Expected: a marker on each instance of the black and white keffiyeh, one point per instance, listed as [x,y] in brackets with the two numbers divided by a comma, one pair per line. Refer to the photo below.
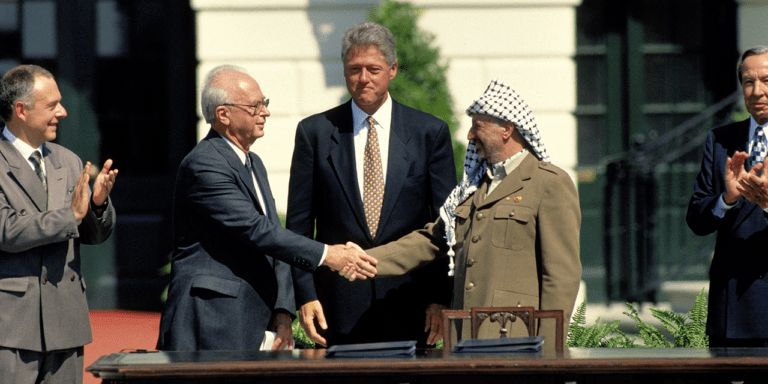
[501,101]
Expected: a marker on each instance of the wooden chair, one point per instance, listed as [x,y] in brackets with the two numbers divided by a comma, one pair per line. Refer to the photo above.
[502,315]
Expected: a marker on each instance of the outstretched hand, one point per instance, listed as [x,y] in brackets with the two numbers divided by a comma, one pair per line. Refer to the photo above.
[352,259]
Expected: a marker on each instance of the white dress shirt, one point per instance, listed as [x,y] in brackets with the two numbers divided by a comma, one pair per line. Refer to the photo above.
[383,124]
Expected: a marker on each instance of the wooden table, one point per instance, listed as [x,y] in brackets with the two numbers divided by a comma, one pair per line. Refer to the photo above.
[575,365]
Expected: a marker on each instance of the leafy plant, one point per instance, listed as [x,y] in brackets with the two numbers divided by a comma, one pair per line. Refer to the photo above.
[687,330]
[595,335]
[420,82]
[299,336]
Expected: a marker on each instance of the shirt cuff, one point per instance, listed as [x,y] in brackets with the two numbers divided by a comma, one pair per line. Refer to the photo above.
[325,252]
[721,207]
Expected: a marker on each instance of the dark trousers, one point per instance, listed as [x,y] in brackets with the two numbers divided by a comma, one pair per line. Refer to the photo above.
[722,342]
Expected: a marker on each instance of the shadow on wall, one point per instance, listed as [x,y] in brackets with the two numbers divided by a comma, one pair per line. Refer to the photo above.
[329,27]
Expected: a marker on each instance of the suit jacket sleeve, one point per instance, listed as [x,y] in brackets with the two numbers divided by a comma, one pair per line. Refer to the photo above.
[212,193]
[707,189]
[411,251]
[95,230]
[24,229]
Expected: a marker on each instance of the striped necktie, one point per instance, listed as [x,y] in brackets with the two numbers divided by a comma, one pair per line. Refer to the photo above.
[37,159]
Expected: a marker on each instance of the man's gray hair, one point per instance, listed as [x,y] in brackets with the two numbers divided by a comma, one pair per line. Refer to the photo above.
[212,95]
[758,50]
[18,84]
[370,34]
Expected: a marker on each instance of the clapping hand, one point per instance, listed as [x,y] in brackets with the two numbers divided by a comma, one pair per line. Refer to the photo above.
[734,174]
[754,185]
[103,183]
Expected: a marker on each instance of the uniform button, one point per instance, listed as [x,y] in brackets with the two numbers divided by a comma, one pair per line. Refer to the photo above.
[479,216]
[470,286]
[511,214]
[475,239]
[23,212]
[470,262]
[45,280]
[72,278]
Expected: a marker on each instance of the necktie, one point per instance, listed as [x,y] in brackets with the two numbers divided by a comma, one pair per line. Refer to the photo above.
[37,159]
[759,148]
[373,179]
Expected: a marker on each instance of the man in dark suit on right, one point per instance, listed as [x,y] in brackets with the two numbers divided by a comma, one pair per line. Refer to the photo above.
[731,197]
[370,171]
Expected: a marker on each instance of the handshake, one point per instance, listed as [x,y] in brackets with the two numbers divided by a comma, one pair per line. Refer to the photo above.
[350,261]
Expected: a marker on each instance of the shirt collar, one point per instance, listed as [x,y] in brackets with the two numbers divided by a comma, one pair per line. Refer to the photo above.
[383,116]
[507,166]
[239,152]
[23,148]
[753,127]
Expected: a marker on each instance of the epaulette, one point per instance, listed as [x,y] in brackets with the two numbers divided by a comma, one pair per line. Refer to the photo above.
[547,166]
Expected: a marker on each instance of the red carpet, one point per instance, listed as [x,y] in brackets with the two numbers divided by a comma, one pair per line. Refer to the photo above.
[114,331]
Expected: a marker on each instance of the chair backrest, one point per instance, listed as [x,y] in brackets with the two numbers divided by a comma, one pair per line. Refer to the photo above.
[502,315]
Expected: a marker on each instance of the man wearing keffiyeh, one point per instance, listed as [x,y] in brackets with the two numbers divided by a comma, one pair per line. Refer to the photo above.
[511,227]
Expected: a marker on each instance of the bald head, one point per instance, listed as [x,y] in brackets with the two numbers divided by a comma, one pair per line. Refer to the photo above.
[234,105]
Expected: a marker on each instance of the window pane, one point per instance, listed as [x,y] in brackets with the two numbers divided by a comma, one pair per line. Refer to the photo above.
[111,27]
[39,29]
[9,16]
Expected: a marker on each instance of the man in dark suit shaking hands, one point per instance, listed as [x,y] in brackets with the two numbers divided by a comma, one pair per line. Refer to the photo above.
[230,272]
[730,197]
[370,171]
[46,213]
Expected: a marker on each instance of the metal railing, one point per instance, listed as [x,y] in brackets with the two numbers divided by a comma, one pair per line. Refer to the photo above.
[646,239]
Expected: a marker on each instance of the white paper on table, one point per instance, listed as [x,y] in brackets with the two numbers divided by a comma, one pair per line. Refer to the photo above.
[269,338]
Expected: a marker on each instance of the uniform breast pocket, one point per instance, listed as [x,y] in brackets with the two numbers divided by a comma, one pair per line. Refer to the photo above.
[462,213]
[512,227]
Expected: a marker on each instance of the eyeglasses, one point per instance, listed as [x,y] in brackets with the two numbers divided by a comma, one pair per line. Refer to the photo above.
[256,107]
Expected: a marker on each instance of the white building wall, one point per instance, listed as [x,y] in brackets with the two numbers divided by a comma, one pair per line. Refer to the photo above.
[293,50]
[753,29]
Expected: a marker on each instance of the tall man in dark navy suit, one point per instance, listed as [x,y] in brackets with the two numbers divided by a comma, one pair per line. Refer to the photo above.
[333,192]
[731,197]
[230,278]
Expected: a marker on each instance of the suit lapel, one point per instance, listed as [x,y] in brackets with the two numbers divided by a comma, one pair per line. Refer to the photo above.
[266,190]
[24,175]
[397,166]
[233,160]
[57,179]
[342,159]
[512,183]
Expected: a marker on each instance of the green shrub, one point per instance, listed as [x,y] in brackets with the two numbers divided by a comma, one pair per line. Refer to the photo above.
[420,82]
